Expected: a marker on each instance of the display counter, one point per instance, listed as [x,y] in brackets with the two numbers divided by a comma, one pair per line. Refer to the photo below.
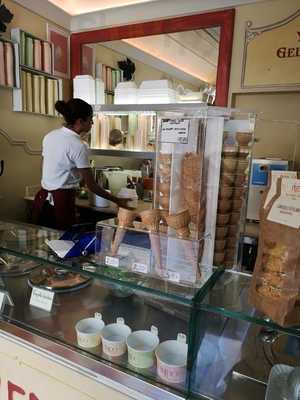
[231,347]
[147,315]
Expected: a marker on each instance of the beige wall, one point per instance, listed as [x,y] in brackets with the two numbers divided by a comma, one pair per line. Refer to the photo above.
[21,168]
[143,72]
[277,137]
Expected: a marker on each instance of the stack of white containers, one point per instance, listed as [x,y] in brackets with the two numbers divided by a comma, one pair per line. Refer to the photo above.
[84,88]
[126,93]
[149,92]
[156,92]
[87,88]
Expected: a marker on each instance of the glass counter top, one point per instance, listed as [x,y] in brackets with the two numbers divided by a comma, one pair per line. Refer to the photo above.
[230,297]
[29,241]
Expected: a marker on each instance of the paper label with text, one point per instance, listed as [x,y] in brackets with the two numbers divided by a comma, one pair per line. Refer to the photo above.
[139,267]
[2,300]
[112,261]
[286,209]
[174,131]
[173,276]
[42,299]
[275,175]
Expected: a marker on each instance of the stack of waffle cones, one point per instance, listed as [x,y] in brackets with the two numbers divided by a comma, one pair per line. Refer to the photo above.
[180,222]
[193,200]
[164,180]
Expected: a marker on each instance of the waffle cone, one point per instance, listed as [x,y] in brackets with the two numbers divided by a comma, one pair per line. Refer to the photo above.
[119,236]
[165,158]
[164,188]
[126,217]
[180,222]
[151,218]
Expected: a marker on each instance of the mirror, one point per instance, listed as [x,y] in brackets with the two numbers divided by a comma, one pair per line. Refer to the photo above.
[193,52]
[188,60]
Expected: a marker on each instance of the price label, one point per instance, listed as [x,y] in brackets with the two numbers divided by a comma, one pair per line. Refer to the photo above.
[141,268]
[2,299]
[5,298]
[174,131]
[173,276]
[42,299]
[112,261]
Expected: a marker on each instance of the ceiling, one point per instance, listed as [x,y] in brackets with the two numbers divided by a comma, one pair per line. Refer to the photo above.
[76,7]
[190,56]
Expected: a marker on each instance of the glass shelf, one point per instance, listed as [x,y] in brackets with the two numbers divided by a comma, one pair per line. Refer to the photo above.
[230,297]
[29,241]
[123,153]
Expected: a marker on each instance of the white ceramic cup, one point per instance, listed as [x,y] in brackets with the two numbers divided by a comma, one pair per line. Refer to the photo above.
[98,201]
[141,346]
[89,331]
[171,358]
[114,338]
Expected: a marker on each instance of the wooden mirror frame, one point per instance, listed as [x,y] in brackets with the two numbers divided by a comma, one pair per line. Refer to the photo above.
[223,19]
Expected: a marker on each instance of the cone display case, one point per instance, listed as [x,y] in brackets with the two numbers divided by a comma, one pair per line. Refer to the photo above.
[202,158]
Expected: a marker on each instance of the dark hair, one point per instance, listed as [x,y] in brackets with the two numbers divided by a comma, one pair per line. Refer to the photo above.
[74,109]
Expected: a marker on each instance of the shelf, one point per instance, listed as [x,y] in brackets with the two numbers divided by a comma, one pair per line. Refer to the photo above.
[35,113]
[123,153]
[147,107]
[230,297]
[29,241]
[37,71]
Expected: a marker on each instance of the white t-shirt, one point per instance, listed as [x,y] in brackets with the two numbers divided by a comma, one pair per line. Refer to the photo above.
[63,152]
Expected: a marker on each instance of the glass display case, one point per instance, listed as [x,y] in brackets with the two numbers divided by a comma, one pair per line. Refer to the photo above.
[137,311]
[194,342]
[239,349]
[200,186]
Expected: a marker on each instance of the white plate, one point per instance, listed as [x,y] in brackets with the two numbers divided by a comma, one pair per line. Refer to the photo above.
[277,382]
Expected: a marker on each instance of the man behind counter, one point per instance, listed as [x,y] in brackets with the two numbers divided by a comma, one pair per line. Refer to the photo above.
[65,163]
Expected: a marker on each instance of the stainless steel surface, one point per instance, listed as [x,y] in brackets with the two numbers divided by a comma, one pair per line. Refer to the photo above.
[243,387]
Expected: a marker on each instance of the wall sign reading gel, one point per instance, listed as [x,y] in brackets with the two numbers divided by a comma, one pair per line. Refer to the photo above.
[42,298]
[112,261]
[279,42]
[174,131]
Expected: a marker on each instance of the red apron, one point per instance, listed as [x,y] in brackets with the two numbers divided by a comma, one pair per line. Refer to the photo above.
[62,215]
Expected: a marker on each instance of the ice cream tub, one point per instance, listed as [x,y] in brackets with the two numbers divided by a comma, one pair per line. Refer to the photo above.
[89,331]
[141,346]
[114,338]
[171,358]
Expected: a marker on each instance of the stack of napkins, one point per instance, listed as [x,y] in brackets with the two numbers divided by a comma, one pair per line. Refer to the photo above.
[60,247]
